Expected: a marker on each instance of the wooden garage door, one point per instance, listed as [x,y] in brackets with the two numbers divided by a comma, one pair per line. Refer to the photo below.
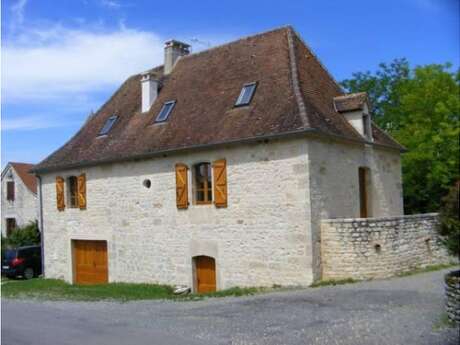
[205,274]
[90,259]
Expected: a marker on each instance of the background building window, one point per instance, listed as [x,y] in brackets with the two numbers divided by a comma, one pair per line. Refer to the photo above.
[72,184]
[10,226]
[203,183]
[10,190]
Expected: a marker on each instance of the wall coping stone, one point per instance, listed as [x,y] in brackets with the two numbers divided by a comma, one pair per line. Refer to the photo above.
[381,219]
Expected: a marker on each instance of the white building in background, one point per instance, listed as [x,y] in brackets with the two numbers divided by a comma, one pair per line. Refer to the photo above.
[19,197]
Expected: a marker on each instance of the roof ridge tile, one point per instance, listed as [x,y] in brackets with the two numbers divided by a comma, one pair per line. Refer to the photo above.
[239,40]
[295,80]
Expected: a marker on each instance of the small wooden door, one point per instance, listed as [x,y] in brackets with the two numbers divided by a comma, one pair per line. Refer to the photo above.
[90,259]
[205,267]
[363,199]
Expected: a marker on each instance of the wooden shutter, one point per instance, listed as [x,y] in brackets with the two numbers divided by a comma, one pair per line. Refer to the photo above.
[81,191]
[181,186]
[220,182]
[60,193]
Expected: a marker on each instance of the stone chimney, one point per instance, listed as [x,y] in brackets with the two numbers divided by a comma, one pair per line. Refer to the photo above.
[149,87]
[173,51]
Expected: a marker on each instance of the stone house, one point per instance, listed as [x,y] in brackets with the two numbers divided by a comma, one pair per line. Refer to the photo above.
[215,169]
[19,197]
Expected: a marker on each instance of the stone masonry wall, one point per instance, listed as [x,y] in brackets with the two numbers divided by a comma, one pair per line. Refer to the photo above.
[379,247]
[334,184]
[452,295]
[262,238]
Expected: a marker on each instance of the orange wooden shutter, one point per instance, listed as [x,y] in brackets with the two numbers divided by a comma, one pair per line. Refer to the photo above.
[81,191]
[60,193]
[220,182]
[181,186]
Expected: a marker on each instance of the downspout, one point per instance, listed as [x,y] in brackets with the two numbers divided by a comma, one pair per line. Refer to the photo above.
[42,233]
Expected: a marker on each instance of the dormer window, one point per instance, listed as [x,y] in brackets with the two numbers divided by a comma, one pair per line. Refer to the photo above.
[108,125]
[165,111]
[246,94]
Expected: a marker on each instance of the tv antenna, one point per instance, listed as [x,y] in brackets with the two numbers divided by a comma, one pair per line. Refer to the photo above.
[195,40]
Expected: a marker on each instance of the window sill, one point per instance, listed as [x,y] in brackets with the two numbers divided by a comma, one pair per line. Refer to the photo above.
[202,203]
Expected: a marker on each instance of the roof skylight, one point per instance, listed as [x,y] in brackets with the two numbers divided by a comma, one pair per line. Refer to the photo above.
[108,125]
[165,111]
[246,94]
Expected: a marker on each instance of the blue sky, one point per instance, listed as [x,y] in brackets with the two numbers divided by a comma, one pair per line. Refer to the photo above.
[62,59]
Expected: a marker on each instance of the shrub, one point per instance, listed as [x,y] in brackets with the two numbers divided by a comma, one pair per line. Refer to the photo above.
[449,226]
[4,244]
[23,236]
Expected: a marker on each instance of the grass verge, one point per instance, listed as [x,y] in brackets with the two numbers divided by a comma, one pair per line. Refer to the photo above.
[443,322]
[427,269]
[333,282]
[52,289]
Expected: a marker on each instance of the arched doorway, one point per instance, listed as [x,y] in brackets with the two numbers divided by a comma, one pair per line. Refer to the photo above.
[205,274]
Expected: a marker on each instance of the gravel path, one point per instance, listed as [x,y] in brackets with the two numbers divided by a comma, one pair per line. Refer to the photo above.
[396,311]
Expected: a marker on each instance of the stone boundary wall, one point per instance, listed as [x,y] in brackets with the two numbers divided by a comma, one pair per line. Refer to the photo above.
[452,288]
[366,248]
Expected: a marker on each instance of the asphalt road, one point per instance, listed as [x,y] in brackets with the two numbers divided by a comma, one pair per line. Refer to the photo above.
[397,311]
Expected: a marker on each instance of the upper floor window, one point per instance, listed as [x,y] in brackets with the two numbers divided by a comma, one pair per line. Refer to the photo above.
[108,125]
[72,187]
[10,190]
[203,183]
[71,191]
[165,111]
[246,94]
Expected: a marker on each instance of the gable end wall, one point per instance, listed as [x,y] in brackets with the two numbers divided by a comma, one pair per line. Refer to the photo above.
[334,185]
[25,206]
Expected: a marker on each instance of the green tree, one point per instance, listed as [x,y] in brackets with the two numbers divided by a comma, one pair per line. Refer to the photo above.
[382,88]
[421,110]
[24,236]
[449,225]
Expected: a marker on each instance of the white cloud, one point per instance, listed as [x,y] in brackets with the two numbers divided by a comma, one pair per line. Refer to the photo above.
[110,4]
[59,62]
[17,12]
[29,123]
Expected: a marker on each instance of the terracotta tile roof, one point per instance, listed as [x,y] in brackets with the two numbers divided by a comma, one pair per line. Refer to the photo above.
[349,102]
[383,138]
[22,169]
[294,94]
